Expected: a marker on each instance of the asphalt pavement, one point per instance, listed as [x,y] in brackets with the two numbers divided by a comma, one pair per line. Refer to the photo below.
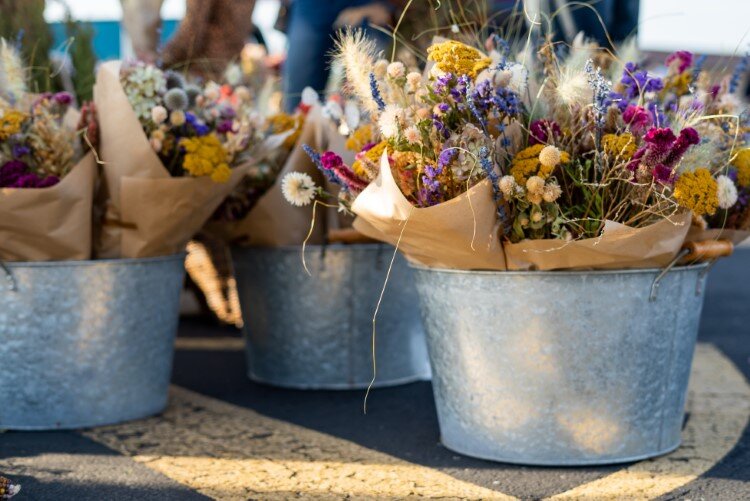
[225,437]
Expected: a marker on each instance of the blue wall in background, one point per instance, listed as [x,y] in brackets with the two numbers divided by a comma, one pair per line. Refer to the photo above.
[107,36]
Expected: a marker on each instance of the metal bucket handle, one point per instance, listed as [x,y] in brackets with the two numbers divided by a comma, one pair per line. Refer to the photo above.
[9,277]
[692,252]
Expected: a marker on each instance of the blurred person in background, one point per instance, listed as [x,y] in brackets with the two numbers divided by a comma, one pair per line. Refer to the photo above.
[311,28]
[620,19]
[142,20]
[211,35]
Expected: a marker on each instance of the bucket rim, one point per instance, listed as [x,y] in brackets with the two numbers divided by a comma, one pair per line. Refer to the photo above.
[309,247]
[95,262]
[557,273]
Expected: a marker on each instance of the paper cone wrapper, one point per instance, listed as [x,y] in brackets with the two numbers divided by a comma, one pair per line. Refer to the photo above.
[458,234]
[619,247]
[49,224]
[148,212]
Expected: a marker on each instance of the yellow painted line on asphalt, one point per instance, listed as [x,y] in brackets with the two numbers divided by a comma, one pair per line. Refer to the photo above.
[209,343]
[719,407]
[231,453]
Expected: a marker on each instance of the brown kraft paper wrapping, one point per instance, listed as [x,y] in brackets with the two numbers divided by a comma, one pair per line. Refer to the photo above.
[619,247]
[49,224]
[458,234]
[274,222]
[148,212]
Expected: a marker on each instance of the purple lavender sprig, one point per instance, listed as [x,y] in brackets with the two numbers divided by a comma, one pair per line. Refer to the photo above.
[376,96]
[601,88]
[316,159]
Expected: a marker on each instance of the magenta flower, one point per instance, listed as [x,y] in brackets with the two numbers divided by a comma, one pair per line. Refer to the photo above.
[662,173]
[688,137]
[682,59]
[11,171]
[539,131]
[330,161]
[47,182]
[637,118]
[63,98]
[29,180]
[224,127]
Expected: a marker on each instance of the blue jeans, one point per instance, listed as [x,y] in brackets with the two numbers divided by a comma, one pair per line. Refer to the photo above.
[310,36]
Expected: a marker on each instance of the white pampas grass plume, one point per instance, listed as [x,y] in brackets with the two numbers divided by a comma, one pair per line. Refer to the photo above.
[573,88]
[727,192]
[581,50]
[12,72]
[357,55]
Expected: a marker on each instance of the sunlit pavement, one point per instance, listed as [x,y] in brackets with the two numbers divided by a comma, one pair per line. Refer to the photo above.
[224,437]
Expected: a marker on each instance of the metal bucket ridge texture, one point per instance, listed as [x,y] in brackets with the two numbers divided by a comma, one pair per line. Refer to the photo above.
[561,368]
[314,332]
[87,343]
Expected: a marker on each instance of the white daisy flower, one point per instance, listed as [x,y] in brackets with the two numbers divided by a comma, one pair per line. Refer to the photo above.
[298,188]
[390,121]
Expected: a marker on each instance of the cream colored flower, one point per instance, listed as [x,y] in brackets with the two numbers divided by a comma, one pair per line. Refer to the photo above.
[534,198]
[550,156]
[396,70]
[380,69]
[727,192]
[551,192]
[177,118]
[413,81]
[413,135]
[535,185]
[159,114]
[508,186]
[298,188]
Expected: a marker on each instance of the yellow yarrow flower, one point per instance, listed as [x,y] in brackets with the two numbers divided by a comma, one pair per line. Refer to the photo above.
[742,163]
[679,84]
[284,122]
[372,155]
[10,123]
[619,145]
[697,191]
[526,164]
[457,58]
[358,139]
[221,174]
[206,156]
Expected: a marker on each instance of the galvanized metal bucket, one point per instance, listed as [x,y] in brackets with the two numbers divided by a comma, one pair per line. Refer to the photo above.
[315,331]
[86,343]
[561,368]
